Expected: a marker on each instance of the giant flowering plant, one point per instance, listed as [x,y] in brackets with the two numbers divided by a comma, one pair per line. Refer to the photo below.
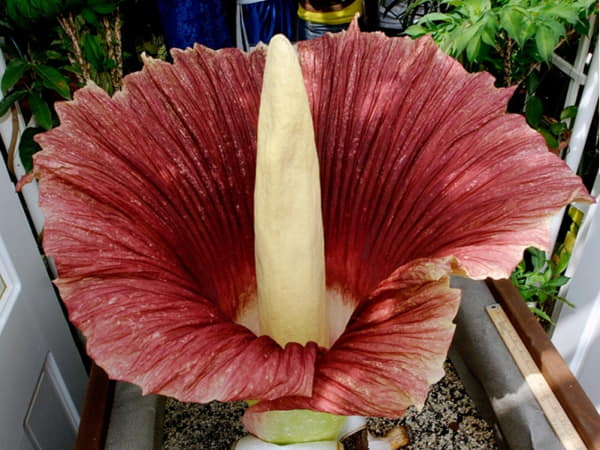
[149,200]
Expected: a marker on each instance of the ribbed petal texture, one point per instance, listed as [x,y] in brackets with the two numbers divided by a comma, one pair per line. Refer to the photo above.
[148,198]
[419,159]
[392,351]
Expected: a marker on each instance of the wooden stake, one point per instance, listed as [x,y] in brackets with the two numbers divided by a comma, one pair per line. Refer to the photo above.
[553,410]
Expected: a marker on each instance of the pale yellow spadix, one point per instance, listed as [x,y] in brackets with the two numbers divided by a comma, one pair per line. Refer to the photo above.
[288,227]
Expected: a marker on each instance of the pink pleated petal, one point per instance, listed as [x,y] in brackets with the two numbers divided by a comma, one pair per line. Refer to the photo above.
[166,339]
[418,159]
[148,202]
[148,198]
[392,351]
[166,169]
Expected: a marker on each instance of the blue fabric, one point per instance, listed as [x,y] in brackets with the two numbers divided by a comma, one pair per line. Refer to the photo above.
[186,22]
[262,20]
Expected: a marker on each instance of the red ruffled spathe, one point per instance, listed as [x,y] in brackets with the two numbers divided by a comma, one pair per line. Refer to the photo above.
[148,201]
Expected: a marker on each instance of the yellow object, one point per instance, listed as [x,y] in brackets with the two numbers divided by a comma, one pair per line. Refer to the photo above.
[576,216]
[342,16]
[288,227]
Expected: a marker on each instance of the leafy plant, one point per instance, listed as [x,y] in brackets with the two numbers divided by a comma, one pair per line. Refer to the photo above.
[539,280]
[509,38]
[556,132]
[84,45]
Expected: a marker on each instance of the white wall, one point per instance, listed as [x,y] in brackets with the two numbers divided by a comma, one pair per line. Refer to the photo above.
[577,332]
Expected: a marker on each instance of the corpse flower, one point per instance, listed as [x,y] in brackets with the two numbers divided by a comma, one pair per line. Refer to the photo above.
[150,206]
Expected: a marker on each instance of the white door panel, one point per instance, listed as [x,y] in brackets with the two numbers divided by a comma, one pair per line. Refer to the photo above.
[42,378]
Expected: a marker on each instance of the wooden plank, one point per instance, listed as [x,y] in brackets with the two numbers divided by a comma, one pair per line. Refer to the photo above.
[553,410]
[97,406]
[579,408]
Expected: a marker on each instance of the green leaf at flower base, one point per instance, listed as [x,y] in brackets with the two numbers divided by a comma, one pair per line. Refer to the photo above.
[41,111]
[13,73]
[11,98]
[28,147]
[253,443]
[53,79]
[299,425]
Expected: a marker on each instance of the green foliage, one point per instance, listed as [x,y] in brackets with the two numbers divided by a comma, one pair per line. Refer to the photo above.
[31,80]
[40,110]
[13,73]
[23,13]
[11,98]
[509,38]
[556,132]
[28,147]
[75,41]
[52,79]
[539,280]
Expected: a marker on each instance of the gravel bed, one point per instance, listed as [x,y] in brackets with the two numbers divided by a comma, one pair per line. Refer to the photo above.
[449,420]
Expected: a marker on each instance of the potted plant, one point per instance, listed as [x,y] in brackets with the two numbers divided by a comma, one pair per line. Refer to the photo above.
[276,227]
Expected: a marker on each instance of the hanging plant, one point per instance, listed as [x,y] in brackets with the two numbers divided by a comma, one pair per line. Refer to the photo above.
[159,229]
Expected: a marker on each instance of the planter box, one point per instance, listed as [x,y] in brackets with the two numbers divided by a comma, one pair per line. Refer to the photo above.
[117,417]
